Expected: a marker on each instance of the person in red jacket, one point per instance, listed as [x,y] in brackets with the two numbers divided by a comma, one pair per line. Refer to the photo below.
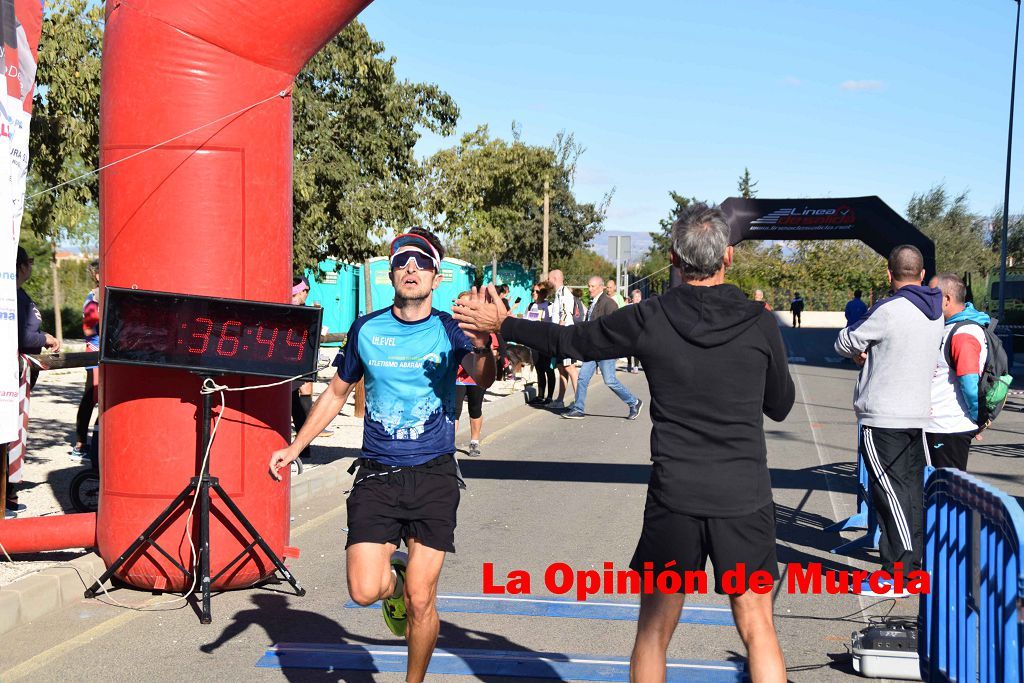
[91,330]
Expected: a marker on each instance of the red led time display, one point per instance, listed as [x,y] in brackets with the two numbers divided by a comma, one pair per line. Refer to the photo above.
[206,334]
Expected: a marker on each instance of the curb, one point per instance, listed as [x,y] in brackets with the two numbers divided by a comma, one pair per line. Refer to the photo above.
[53,589]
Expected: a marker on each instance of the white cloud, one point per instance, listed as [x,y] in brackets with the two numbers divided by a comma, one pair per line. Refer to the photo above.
[861,85]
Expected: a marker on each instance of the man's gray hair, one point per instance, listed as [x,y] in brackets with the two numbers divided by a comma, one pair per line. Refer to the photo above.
[699,238]
[953,286]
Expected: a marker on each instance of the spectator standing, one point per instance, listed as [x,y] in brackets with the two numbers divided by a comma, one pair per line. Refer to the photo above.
[796,307]
[759,297]
[563,314]
[539,311]
[302,392]
[855,308]
[612,290]
[708,495]
[601,304]
[91,330]
[953,423]
[467,388]
[31,340]
[632,362]
[897,342]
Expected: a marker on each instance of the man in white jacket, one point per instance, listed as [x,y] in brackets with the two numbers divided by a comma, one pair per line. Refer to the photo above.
[897,342]
[562,314]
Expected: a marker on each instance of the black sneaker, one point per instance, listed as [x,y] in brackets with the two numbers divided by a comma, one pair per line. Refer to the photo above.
[634,410]
[574,415]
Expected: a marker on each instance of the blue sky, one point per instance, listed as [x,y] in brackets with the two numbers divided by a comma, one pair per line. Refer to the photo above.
[817,98]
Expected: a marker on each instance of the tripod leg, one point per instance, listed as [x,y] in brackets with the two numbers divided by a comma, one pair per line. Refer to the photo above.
[144,538]
[299,590]
[204,540]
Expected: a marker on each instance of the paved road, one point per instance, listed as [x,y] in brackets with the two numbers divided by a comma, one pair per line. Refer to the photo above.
[546,490]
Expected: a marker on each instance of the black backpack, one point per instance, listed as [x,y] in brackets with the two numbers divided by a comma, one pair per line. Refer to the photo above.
[994,382]
[578,311]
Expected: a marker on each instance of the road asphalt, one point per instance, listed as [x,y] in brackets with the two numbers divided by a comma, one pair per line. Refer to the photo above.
[546,490]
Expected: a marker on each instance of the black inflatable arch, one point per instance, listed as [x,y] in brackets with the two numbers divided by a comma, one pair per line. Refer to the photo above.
[867,219]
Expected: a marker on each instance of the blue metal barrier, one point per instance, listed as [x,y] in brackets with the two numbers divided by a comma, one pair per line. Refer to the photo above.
[970,623]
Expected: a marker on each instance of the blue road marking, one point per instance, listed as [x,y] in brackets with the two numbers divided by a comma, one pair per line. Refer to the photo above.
[567,608]
[470,662]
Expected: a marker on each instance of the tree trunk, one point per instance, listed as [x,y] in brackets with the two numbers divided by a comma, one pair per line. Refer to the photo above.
[58,332]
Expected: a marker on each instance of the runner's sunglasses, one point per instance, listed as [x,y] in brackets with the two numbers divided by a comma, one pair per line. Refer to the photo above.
[401,260]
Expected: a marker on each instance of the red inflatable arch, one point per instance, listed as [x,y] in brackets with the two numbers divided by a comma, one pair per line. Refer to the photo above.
[209,213]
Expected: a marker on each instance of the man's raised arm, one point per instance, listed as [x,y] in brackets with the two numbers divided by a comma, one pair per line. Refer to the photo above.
[613,336]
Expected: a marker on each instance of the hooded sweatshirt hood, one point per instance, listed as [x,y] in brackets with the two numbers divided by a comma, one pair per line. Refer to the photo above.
[970,313]
[927,299]
[710,316]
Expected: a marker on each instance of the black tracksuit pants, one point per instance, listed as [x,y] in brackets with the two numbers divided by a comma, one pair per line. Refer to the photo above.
[895,462]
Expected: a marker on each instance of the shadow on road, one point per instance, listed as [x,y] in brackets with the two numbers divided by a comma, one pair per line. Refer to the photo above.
[283,624]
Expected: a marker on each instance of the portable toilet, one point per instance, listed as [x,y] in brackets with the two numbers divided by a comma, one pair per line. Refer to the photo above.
[519,280]
[456,277]
[335,287]
[382,293]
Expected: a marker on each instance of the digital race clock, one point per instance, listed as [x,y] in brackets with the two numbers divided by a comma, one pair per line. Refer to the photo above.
[208,334]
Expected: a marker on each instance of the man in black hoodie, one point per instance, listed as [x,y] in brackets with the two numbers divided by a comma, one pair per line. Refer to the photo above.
[716,364]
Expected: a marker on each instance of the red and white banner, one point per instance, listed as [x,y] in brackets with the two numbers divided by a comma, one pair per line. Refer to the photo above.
[20,26]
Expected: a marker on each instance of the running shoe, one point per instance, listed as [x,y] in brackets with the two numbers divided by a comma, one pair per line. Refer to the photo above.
[78,453]
[16,507]
[556,405]
[634,410]
[535,401]
[9,514]
[394,607]
[574,415]
[474,449]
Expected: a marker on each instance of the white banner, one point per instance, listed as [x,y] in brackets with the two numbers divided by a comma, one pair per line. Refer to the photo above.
[20,25]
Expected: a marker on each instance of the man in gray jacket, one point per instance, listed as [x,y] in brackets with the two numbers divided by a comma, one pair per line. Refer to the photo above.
[897,342]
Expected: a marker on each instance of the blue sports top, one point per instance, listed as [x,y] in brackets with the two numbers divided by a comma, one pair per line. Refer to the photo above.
[410,383]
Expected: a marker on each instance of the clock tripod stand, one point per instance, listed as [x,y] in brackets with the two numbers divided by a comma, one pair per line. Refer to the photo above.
[200,486]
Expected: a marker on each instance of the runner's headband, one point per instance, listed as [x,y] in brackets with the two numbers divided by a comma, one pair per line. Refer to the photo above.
[420,243]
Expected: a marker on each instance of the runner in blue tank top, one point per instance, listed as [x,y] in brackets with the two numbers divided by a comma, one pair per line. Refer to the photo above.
[407,484]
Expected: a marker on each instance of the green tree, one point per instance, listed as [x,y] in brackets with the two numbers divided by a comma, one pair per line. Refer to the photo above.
[960,236]
[654,267]
[759,266]
[1015,243]
[485,196]
[64,140]
[581,265]
[828,271]
[746,185]
[355,128]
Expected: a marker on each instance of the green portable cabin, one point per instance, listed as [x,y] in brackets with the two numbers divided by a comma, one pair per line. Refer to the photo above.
[456,277]
[337,288]
[519,280]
